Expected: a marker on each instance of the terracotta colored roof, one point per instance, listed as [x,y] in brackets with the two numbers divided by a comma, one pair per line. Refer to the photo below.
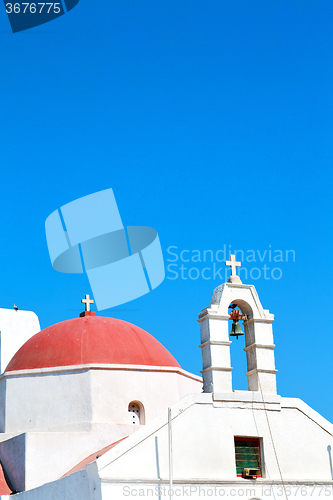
[91,340]
[81,465]
[4,488]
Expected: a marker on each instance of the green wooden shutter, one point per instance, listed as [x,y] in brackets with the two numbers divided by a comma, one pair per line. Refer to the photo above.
[247,454]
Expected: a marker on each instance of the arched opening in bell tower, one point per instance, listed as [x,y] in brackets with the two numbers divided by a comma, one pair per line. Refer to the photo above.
[240,312]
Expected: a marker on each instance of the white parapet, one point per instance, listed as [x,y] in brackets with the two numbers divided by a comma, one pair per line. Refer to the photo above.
[16,327]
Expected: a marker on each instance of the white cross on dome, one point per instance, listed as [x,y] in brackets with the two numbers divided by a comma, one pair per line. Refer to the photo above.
[87,301]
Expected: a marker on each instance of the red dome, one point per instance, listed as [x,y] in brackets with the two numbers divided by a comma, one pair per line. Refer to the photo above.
[91,340]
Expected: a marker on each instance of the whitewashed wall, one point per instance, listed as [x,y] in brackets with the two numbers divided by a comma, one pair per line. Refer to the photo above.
[113,390]
[16,327]
[69,399]
[63,417]
[82,485]
[203,441]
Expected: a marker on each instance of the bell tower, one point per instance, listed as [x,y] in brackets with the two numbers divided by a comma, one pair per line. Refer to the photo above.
[215,342]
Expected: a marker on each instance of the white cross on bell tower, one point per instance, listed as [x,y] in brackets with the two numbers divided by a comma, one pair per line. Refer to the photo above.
[233,278]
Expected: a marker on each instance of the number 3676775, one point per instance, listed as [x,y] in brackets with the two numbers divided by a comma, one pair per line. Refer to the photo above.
[33,8]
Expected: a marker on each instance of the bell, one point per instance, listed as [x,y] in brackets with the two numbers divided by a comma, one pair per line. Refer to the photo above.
[236,330]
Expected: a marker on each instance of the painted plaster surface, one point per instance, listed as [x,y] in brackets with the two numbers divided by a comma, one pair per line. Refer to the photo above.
[74,398]
[203,447]
[54,420]
[203,442]
[82,485]
[16,327]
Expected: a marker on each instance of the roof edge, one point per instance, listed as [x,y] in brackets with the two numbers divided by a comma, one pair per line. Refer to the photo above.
[100,366]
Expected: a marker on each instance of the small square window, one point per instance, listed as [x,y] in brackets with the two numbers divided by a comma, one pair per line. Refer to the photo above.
[247,452]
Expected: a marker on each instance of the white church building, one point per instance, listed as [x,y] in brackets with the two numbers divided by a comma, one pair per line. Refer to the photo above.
[95,408]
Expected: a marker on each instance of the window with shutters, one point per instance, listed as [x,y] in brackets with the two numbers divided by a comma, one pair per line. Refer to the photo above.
[247,451]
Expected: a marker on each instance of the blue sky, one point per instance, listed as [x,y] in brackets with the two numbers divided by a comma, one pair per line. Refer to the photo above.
[212,121]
